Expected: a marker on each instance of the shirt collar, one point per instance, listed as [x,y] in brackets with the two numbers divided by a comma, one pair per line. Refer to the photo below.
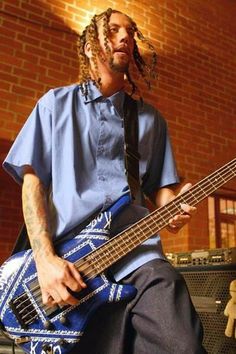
[117,99]
[93,93]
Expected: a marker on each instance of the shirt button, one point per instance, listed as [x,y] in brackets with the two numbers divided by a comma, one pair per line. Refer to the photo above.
[108,200]
[100,149]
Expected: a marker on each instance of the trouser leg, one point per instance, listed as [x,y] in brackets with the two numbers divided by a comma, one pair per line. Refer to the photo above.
[160,320]
[162,317]
[104,332]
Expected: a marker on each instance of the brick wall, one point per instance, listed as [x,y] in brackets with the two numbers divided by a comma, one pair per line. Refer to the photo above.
[195,90]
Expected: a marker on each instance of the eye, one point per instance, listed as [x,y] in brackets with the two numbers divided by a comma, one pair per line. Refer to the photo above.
[131,31]
[113,29]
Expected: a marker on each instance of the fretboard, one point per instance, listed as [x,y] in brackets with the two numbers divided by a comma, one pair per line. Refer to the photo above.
[123,243]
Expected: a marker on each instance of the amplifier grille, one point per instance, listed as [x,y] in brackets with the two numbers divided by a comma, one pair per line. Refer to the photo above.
[209,290]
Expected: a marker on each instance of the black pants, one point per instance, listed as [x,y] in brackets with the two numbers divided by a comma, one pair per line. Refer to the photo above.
[159,320]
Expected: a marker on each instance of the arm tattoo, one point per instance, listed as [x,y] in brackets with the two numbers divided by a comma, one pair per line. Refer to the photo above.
[36,215]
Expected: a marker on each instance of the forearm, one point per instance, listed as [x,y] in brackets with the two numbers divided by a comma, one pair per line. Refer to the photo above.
[55,274]
[36,215]
[163,196]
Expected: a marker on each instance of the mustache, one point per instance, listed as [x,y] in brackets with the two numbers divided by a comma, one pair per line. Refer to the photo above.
[122,48]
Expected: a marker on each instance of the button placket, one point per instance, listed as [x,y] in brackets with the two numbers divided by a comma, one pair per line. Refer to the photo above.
[100,148]
[110,164]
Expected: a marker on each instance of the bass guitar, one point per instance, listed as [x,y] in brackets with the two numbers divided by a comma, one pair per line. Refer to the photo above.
[41,330]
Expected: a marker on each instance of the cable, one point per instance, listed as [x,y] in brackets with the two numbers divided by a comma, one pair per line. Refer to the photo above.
[13,348]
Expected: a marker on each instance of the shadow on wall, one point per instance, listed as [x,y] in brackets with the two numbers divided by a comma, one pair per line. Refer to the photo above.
[38,52]
[10,207]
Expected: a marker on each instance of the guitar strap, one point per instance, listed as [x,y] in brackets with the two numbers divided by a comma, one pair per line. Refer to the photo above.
[132,156]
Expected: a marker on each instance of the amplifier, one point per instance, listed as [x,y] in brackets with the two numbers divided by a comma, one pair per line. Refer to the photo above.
[209,290]
[203,257]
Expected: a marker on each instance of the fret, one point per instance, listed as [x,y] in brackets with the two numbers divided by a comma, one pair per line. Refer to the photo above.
[127,240]
[193,196]
[203,191]
[136,237]
[168,211]
[159,213]
[213,185]
[130,240]
[177,206]
[146,226]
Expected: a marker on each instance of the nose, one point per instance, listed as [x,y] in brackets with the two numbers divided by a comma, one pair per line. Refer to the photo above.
[124,36]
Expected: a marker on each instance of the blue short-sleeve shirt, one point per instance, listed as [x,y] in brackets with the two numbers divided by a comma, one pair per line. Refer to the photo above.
[75,144]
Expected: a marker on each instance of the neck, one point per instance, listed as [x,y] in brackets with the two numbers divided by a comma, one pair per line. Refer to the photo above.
[111,81]
[110,85]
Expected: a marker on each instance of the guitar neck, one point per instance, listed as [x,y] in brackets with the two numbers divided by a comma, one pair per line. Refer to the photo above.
[126,241]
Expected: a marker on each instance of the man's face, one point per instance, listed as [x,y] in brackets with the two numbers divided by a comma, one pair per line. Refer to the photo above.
[120,41]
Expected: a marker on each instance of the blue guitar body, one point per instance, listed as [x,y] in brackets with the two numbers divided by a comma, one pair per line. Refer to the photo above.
[40,330]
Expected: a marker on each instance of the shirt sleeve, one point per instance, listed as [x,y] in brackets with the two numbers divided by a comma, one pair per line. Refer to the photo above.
[33,145]
[161,170]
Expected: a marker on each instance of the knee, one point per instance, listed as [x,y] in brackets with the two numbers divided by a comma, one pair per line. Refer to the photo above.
[169,275]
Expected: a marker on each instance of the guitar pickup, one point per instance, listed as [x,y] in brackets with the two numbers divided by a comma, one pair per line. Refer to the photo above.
[23,309]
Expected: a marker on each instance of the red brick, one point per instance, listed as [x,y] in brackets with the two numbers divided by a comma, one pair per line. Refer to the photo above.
[22,90]
[12,25]
[195,90]
[29,40]
[8,59]
[31,8]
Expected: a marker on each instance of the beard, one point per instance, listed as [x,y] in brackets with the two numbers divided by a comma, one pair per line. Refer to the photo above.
[119,65]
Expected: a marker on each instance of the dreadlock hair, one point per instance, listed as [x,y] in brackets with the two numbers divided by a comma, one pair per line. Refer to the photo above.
[90,33]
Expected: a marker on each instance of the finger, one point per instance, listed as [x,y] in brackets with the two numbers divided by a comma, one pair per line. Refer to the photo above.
[53,303]
[176,223]
[172,228]
[185,188]
[78,283]
[56,296]
[46,298]
[188,209]
[67,298]
[180,220]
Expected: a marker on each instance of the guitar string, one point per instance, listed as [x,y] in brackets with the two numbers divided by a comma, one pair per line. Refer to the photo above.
[199,187]
[182,199]
[147,227]
[124,238]
[124,252]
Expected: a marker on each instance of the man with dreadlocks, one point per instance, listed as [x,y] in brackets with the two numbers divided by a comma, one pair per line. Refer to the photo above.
[70,158]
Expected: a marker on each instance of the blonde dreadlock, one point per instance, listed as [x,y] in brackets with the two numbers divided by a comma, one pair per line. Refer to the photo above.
[90,33]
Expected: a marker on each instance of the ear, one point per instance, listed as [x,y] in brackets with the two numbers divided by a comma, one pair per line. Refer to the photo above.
[88,50]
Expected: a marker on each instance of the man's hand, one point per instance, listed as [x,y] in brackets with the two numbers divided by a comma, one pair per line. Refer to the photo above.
[178,221]
[56,278]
